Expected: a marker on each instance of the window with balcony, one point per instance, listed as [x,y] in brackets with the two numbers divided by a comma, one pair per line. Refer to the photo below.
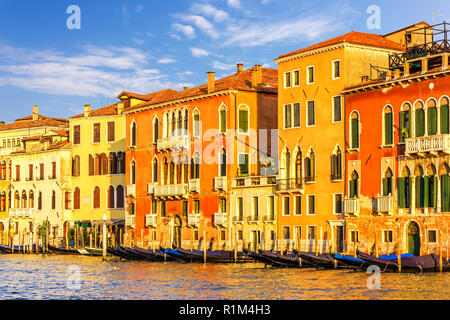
[154,207]
[405,122]
[223,163]
[3,201]
[430,187]
[96,198]
[388,126]
[223,205]
[195,167]
[354,185]
[197,206]
[311,113]
[420,119]
[155,170]
[243,164]
[444,114]
[163,209]
[354,130]
[388,183]
[298,167]
[432,117]
[132,209]
[155,130]
[404,184]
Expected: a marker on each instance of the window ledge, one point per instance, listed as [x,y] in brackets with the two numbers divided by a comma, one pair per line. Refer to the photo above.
[353,150]
[384,146]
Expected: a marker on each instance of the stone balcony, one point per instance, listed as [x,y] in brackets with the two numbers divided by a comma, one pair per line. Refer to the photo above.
[351,206]
[21,213]
[268,219]
[130,220]
[131,190]
[254,181]
[289,185]
[193,220]
[385,204]
[151,187]
[220,219]
[220,183]
[194,185]
[175,142]
[171,190]
[238,219]
[422,146]
[150,220]
[252,219]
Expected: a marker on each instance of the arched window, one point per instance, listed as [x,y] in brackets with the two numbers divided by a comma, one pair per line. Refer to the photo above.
[430,189]
[104,165]
[222,119]
[133,172]
[298,168]
[179,123]
[444,116]
[419,119]
[387,182]
[76,199]
[111,194]
[53,200]
[432,117]
[388,126]
[195,167]
[155,170]
[98,165]
[67,204]
[165,125]
[133,134]
[120,162]
[243,119]
[405,122]
[286,161]
[31,200]
[16,200]
[420,187]
[354,130]
[196,116]
[172,172]
[354,185]
[173,125]
[96,196]
[112,163]
[165,176]
[24,199]
[186,122]
[404,184]
[186,170]
[3,169]
[445,188]
[76,166]
[91,165]
[120,197]
[336,164]
[40,201]
[3,202]
[155,130]
[223,163]
[310,166]
[179,171]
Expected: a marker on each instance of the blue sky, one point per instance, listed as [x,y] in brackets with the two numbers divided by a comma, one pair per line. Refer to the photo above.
[148,45]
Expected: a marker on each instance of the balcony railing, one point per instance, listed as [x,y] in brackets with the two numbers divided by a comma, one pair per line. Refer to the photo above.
[131,190]
[252,219]
[254,181]
[220,218]
[289,185]
[130,220]
[151,188]
[238,219]
[194,185]
[193,219]
[269,219]
[438,143]
[174,143]
[351,206]
[150,220]
[171,190]
[21,213]
[220,183]
[385,204]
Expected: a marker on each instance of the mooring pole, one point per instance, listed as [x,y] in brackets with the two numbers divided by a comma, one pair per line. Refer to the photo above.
[104,237]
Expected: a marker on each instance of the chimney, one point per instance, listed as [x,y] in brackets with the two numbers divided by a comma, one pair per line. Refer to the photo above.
[240,67]
[120,108]
[185,88]
[256,76]
[87,110]
[35,113]
[211,81]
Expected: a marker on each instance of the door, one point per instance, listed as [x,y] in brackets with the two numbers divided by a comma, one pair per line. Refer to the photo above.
[254,241]
[414,239]
[339,239]
[177,232]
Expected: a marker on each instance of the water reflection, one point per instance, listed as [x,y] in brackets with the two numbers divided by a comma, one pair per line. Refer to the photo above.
[36,277]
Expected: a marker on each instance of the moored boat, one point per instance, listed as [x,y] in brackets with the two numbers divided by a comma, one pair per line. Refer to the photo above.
[284,260]
[322,260]
[63,251]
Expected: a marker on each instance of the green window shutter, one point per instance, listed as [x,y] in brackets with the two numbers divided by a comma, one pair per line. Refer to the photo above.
[420,123]
[243,121]
[445,193]
[432,121]
[401,192]
[355,135]
[426,191]
[223,121]
[402,126]
[388,128]
[444,119]
[307,168]
[435,187]
[385,186]
[408,182]
[418,192]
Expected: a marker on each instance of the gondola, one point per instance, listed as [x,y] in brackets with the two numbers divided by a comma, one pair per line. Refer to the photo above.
[323,260]
[427,263]
[175,255]
[4,249]
[260,258]
[355,263]
[118,252]
[62,251]
[219,256]
[156,255]
[289,260]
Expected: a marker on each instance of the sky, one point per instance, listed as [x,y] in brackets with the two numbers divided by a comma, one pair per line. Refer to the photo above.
[148,45]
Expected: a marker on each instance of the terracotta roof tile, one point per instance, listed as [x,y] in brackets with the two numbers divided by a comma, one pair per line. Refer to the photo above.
[28,123]
[105,111]
[367,39]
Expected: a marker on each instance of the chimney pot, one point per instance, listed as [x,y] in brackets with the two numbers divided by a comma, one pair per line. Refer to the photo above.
[120,108]
[35,113]
[240,67]
[185,88]
[87,110]
[211,81]
[256,76]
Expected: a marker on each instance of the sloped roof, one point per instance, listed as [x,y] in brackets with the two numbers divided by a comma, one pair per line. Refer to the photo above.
[105,111]
[27,122]
[361,38]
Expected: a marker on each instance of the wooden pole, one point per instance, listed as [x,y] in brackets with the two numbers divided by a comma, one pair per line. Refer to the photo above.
[321,241]
[235,244]
[95,236]
[440,251]
[204,246]
[46,238]
[75,238]
[90,239]
[67,236]
[82,237]
[121,237]
[104,241]
[142,238]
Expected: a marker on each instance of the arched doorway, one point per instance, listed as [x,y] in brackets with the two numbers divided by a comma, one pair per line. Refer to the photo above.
[414,238]
[177,232]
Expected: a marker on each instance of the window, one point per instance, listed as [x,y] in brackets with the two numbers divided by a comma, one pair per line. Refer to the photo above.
[354,236]
[432,117]
[133,134]
[287,79]
[111,131]
[223,205]
[405,122]
[296,78]
[120,195]
[30,172]
[444,116]
[67,204]
[243,164]
[337,203]
[240,207]
[185,208]
[298,169]
[76,135]
[155,170]
[336,164]
[271,208]
[195,167]
[311,233]
[186,122]
[91,165]
[53,176]
[336,69]
[154,207]
[40,201]
[296,115]
[133,172]
[111,194]
[354,185]
[163,209]
[420,119]
[387,183]
[286,233]
[243,120]
[310,75]
[430,188]
[255,208]
[286,209]
[96,196]
[17,173]
[76,199]
[337,109]
[388,126]
[432,236]
[311,114]
[298,205]
[196,124]
[404,184]
[76,166]
[354,130]
[132,209]
[310,167]
[197,206]
[388,236]
[311,204]
[96,133]
[222,119]
[53,200]
[223,164]
[287,116]
[155,130]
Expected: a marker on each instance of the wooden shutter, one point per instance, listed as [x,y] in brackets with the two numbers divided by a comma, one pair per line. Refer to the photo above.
[355,135]
[17,173]
[53,170]
[287,116]
[96,132]
[243,121]
[388,128]
[401,191]
[444,193]
[111,131]
[223,121]
[432,121]
[76,135]
[41,171]
[311,113]
[435,191]
[120,197]
[426,191]
[76,199]
[444,119]
[420,123]
[91,165]
[402,126]
[296,114]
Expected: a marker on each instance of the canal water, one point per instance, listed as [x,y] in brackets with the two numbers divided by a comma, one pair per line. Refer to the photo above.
[81,277]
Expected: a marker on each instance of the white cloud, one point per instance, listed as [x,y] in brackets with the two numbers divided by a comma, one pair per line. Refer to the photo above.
[139,8]
[197,52]
[187,30]
[95,72]
[208,10]
[166,60]
[222,66]
[234,3]
[200,22]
